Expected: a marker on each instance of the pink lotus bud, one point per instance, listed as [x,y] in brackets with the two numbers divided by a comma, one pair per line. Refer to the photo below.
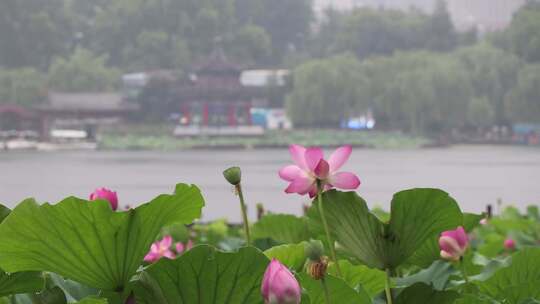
[279,285]
[107,195]
[453,244]
[509,244]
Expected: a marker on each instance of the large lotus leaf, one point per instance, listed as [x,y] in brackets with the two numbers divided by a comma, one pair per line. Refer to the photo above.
[18,282]
[291,255]
[339,291]
[74,291]
[475,299]
[437,275]
[204,275]
[519,281]
[87,241]
[283,228]
[417,216]
[371,280]
[4,212]
[429,251]
[422,293]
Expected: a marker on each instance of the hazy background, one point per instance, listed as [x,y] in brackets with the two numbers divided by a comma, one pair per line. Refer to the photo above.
[145,94]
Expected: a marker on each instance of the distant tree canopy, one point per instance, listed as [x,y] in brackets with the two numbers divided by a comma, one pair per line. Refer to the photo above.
[326,91]
[82,72]
[523,35]
[413,70]
[524,100]
[23,87]
[419,91]
[369,31]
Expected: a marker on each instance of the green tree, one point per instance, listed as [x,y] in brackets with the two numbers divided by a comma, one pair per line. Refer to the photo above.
[493,74]
[82,72]
[524,32]
[326,91]
[287,22]
[524,101]
[480,112]
[441,32]
[25,86]
[32,32]
[251,44]
[421,92]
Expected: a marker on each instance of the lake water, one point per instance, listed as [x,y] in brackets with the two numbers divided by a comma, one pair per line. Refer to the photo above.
[473,175]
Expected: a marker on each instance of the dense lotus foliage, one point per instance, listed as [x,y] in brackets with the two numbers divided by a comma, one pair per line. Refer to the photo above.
[424,250]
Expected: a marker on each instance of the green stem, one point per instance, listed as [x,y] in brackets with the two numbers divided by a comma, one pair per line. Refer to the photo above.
[326,230]
[244,213]
[326,292]
[463,271]
[387,288]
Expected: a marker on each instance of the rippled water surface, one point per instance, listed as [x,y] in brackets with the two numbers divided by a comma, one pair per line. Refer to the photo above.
[474,175]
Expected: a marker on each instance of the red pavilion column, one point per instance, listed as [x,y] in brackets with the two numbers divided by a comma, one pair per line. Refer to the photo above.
[231,115]
[205,114]
[248,113]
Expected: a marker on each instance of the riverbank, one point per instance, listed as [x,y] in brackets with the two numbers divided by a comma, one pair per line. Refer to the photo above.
[158,138]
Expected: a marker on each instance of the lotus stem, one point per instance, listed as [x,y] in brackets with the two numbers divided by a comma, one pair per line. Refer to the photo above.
[326,292]
[387,288]
[326,229]
[463,270]
[244,213]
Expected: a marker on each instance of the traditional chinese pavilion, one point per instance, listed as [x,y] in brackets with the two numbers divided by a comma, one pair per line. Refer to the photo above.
[82,111]
[215,96]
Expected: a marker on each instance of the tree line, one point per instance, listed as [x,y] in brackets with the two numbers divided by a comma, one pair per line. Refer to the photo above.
[416,73]
[413,70]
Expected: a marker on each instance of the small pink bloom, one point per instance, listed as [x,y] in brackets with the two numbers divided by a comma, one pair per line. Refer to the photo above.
[180,248]
[279,285]
[160,249]
[509,244]
[106,195]
[453,244]
[310,166]
[484,221]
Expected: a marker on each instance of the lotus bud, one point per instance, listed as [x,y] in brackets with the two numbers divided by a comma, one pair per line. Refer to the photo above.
[279,285]
[317,269]
[453,244]
[509,244]
[314,250]
[233,175]
[106,195]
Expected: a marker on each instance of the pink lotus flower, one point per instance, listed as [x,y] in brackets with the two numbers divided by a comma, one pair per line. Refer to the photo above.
[311,166]
[279,285]
[180,248]
[160,249]
[509,244]
[106,195]
[484,221]
[453,244]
